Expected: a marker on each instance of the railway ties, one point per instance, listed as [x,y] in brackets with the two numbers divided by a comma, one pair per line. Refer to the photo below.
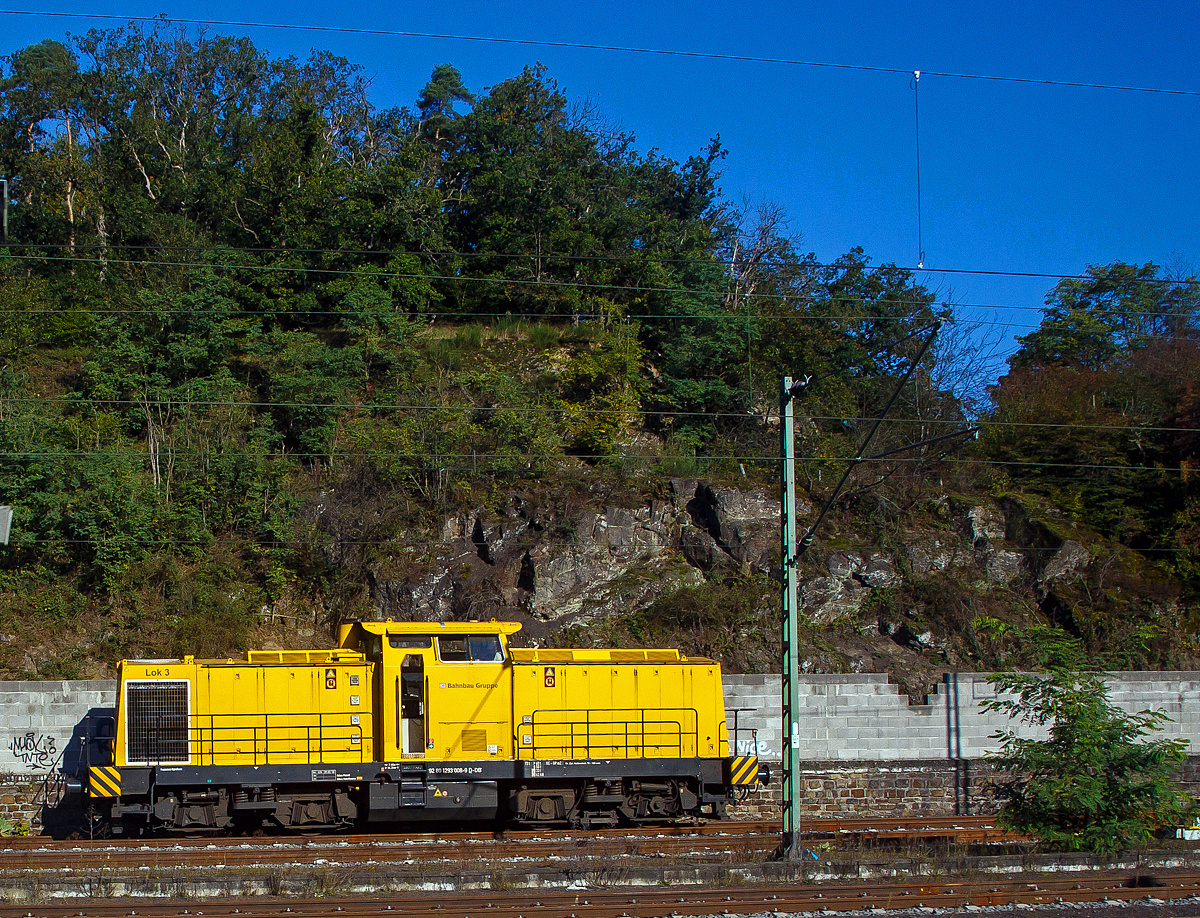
[398,859]
[751,840]
[642,902]
[958,828]
[527,873]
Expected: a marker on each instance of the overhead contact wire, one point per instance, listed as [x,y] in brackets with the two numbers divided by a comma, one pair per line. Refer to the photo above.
[634,259]
[593,46]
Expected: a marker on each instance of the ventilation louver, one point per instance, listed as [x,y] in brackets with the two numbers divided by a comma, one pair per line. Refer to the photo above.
[156,722]
[474,741]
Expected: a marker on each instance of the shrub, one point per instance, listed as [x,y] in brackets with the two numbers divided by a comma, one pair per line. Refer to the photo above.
[1097,782]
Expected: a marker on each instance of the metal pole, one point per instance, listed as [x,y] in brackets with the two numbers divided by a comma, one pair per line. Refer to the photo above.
[4,182]
[792,792]
[790,554]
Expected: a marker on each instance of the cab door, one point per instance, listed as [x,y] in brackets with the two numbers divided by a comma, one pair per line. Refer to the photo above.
[403,686]
[412,706]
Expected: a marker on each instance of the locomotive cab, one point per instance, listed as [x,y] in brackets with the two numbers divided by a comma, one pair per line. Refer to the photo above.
[444,691]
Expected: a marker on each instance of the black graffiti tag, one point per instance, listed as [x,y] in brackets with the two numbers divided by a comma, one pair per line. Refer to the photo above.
[33,750]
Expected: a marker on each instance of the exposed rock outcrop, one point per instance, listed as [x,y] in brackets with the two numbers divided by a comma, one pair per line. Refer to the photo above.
[566,567]
[1070,560]
[556,563]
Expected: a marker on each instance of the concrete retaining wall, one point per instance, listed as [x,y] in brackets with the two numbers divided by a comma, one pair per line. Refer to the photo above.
[842,717]
[40,723]
[864,718]
[864,748]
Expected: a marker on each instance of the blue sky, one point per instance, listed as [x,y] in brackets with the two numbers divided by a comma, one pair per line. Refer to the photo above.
[1015,177]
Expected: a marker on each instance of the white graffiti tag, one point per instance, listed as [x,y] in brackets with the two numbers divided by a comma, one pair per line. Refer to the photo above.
[759,748]
[33,750]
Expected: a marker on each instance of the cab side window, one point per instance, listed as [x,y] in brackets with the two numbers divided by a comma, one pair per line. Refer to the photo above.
[486,647]
[479,648]
[409,641]
[453,650]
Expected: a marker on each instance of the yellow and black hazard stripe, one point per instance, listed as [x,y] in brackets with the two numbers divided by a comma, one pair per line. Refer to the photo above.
[104,781]
[743,769]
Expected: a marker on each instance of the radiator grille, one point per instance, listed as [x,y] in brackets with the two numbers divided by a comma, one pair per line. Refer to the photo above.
[474,741]
[156,721]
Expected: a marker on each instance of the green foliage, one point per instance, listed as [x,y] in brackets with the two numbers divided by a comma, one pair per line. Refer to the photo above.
[543,337]
[30,316]
[515,433]
[225,337]
[9,829]
[678,456]
[437,99]
[600,391]
[1098,782]
[214,607]
[1186,524]
[36,596]
[309,386]
[1099,411]
[1112,310]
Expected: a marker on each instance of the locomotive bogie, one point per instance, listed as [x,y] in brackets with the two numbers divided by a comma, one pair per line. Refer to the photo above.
[592,804]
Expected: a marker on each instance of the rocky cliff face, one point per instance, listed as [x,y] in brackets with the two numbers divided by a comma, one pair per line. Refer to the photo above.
[551,563]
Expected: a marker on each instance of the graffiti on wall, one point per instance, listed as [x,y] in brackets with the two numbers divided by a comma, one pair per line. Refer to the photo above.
[34,750]
[757,747]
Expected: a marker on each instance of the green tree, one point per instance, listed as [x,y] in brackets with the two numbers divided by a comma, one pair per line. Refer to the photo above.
[1113,309]
[853,329]
[1098,782]
[436,101]
[1099,411]
[521,187]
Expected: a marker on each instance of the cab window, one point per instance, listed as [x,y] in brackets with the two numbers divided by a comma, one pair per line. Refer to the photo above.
[409,641]
[453,650]
[479,648]
[485,647]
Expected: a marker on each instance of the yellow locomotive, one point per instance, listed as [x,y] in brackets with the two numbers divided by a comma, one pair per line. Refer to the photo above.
[416,722]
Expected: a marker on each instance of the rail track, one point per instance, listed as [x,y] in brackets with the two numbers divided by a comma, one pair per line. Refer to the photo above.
[715,869]
[956,828]
[961,829]
[750,840]
[649,903]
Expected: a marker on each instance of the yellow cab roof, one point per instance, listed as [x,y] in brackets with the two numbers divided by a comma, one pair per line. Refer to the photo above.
[391,627]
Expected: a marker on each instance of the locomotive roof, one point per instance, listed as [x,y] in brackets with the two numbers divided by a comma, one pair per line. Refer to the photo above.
[391,627]
[323,655]
[597,655]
